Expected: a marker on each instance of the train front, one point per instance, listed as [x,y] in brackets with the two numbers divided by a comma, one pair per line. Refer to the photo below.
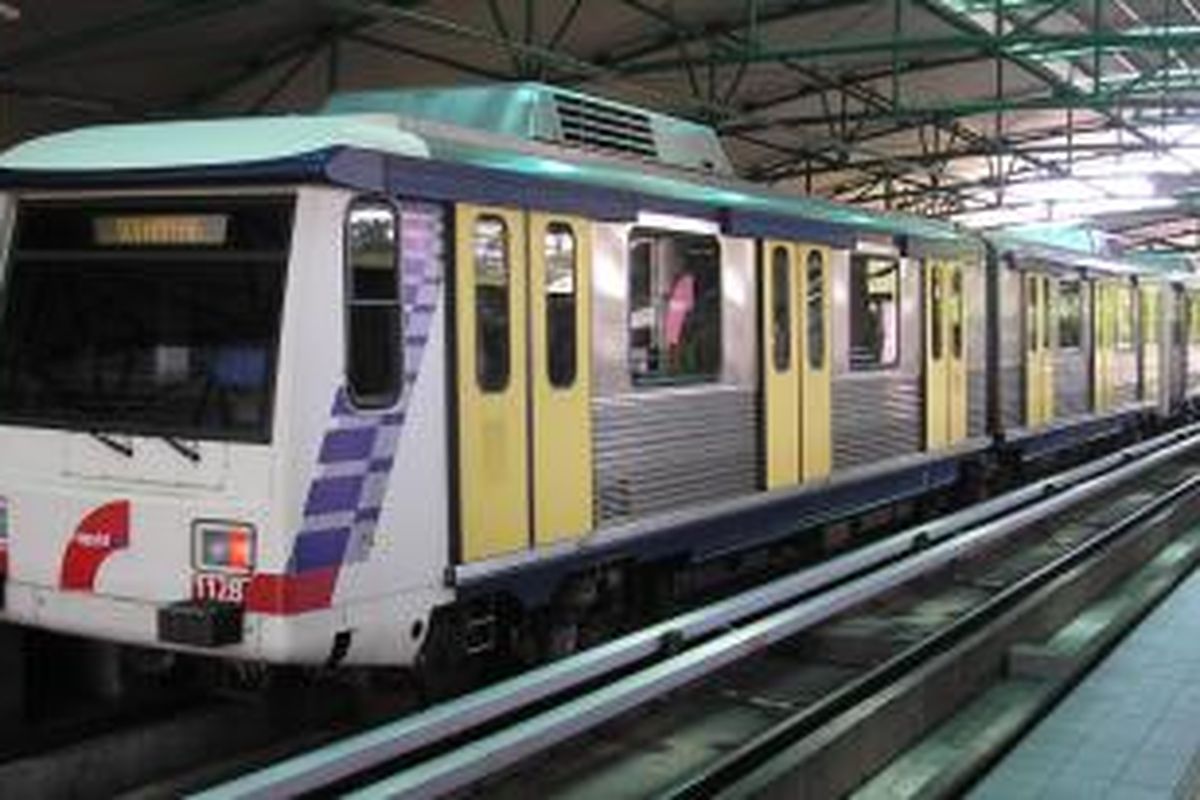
[171,381]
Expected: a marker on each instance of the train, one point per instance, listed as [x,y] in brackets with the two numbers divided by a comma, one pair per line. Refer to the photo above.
[432,371]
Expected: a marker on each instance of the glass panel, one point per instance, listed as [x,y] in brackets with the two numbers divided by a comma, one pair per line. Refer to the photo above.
[937,312]
[874,312]
[157,339]
[816,309]
[492,344]
[561,322]
[373,352]
[781,312]
[957,311]
[675,306]
[1070,313]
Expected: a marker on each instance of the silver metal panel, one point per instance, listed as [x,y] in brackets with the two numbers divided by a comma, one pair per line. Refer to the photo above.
[662,449]
[1193,368]
[875,417]
[1072,383]
[1125,383]
[876,414]
[975,286]
[1011,391]
[976,402]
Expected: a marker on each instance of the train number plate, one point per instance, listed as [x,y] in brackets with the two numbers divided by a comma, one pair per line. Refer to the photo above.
[219,587]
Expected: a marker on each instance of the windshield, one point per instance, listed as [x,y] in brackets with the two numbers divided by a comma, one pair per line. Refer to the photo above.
[154,316]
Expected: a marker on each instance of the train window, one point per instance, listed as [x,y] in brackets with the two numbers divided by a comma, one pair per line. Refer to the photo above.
[1070,314]
[561,322]
[1032,286]
[674,306]
[816,309]
[1125,328]
[957,303]
[937,312]
[874,312]
[156,315]
[492,345]
[373,317]
[781,308]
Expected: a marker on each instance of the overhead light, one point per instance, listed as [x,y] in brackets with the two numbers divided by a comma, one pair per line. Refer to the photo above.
[9,12]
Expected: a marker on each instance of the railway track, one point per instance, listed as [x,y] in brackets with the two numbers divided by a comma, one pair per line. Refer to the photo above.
[769,688]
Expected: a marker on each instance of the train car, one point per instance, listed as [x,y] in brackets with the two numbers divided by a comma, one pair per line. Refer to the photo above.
[434,371]
[1081,346]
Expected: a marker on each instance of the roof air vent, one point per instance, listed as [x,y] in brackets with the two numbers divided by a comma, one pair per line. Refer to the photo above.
[587,122]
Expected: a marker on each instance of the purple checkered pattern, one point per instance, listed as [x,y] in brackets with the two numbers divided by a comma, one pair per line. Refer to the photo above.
[346,495]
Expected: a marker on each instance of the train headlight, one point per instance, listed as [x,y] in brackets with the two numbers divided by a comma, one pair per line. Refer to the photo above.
[223,546]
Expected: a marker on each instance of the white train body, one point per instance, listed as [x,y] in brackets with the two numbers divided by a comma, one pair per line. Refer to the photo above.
[99,540]
[198,456]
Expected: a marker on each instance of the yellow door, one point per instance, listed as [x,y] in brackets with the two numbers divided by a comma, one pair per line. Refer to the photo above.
[1038,365]
[956,366]
[492,385]
[937,380]
[560,370]
[813,355]
[781,379]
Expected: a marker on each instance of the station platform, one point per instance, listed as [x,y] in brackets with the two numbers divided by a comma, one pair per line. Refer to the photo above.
[1130,730]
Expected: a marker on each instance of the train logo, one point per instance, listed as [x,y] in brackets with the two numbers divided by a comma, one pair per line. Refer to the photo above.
[102,532]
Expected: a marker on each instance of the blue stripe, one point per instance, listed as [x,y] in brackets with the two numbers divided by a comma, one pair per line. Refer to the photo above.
[319,549]
[326,495]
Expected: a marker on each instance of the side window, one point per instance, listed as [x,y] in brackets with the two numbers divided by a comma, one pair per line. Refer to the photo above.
[374,356]
[874,312]
[492,345]
[1070,314]
[674,306]
[781,308]
[816,309]
[561,320]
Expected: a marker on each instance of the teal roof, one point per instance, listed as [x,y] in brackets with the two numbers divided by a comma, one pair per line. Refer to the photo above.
[207,142]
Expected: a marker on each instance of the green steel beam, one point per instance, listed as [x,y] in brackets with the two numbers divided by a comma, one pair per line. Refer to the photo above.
[1150,96]
[1024,44]
[691,33]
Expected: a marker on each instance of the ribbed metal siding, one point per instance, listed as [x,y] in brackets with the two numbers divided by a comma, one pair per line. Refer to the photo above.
[1125,386]
[657,450]
[1072,384]
[875,417]
[976,402]
[975,285]
[1193,368]
[1012,368]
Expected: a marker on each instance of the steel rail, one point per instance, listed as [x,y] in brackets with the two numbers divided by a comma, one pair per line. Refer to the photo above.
[739,765]
[480,758]
[847,575]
